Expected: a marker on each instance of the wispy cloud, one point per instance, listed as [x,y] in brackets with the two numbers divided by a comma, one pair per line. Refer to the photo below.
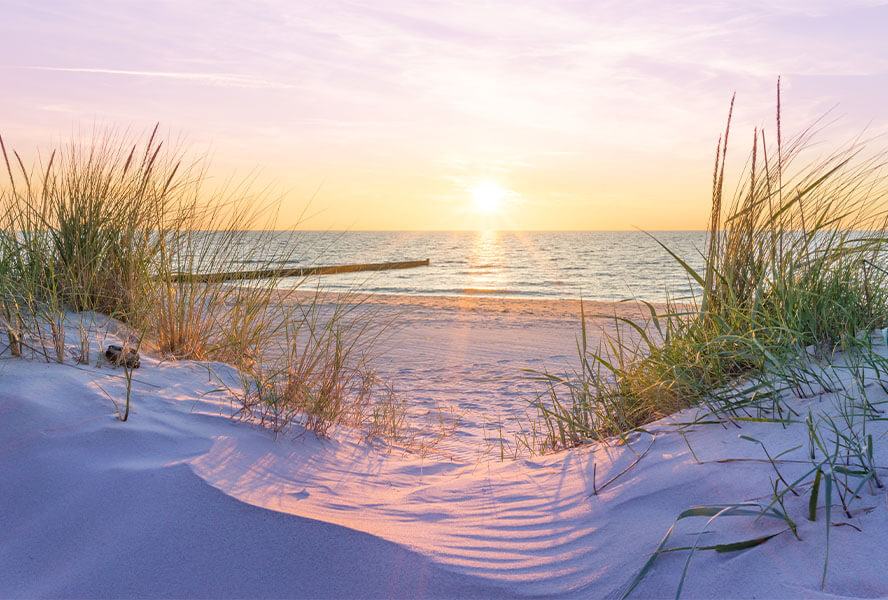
[224,79]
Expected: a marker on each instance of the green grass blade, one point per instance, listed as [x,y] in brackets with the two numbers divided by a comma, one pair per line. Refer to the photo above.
[828,494]
[743,545]
[812,502]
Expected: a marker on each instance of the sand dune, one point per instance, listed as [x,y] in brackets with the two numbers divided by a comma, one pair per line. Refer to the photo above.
[181,501]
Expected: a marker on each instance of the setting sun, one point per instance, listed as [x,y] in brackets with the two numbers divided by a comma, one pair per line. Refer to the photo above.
[488,197]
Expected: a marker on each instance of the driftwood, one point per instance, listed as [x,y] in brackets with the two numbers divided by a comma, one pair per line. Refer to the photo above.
[297,272]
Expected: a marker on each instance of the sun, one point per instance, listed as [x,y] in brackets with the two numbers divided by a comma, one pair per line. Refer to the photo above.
[488,197]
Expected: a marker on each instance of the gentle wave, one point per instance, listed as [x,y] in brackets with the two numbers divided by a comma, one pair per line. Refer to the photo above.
[592,265]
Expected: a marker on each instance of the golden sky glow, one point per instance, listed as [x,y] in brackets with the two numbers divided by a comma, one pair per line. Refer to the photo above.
[394,114]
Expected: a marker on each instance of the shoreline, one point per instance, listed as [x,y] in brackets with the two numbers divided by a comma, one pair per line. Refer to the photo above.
[472,363]
[559,308]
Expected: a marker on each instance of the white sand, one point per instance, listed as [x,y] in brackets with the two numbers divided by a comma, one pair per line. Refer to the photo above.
[183,502]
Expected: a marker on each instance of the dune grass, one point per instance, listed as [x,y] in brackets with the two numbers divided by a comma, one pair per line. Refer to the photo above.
[791,268]
[792,301]
[839,464]
[321,375]
[85,221]
[108,223]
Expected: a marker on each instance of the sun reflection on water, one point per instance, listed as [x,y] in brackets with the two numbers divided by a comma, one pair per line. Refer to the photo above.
[486,263]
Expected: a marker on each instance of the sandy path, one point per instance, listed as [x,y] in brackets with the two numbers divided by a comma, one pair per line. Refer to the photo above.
[461,360]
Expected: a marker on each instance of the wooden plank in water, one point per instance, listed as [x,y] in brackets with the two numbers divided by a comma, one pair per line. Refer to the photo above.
[297,272]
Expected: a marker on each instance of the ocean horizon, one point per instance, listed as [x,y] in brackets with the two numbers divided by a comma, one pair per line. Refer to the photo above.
[592,265]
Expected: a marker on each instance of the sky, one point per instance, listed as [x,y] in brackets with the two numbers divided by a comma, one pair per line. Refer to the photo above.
[392,115]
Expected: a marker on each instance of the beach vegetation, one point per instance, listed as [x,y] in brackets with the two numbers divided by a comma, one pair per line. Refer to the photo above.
[114,225]
[322,376]
[793,270]
[839,465]
[792,303]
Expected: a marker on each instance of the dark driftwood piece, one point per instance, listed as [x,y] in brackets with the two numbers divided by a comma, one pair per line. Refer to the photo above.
[298,272]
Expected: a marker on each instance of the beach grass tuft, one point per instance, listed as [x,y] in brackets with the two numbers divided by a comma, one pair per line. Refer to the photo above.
[792,301]
[791,270]
[322,376]
[114,224]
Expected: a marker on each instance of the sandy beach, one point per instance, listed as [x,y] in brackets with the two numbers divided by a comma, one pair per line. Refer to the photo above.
[465,358]
[290,300]
[182,501]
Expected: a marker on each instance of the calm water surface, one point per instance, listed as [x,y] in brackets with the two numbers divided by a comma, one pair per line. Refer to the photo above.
[596,265]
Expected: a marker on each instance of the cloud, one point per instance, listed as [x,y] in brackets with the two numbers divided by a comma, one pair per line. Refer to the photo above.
[225,79]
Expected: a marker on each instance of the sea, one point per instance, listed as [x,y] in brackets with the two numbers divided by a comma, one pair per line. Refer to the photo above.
[592,265]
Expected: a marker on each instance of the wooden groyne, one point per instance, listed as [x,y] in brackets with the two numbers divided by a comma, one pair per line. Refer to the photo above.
[296,272]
